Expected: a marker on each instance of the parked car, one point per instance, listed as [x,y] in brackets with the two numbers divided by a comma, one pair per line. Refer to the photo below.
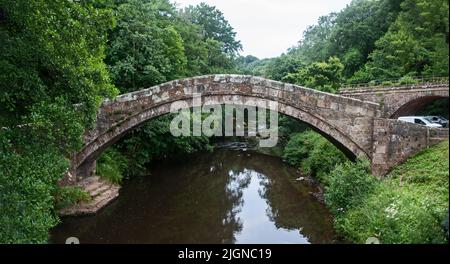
[439,120]
[421,120]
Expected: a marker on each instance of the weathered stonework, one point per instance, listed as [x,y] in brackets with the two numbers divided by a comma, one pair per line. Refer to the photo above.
[101,192]
[394,142]
[401,100]
[357,126]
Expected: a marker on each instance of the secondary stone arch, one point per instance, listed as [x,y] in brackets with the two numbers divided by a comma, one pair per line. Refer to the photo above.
[409,106]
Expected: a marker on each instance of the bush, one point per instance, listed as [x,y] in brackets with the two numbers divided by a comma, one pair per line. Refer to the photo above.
[67,196]
[154,141]
[314,154]
[349,184]
[288,127]
[27,182]
[295,150]
[395,215]
[111,166]
[408,206]
[407,80]
[445,224]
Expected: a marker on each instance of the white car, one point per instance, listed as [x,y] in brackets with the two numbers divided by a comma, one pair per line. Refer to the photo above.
[421,120]
[439,120]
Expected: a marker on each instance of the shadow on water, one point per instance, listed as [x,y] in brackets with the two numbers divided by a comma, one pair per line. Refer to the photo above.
[221,197]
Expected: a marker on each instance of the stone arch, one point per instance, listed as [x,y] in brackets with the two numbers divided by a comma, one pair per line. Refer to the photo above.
[94,149]
[393,99]
[344,121]
[409,106]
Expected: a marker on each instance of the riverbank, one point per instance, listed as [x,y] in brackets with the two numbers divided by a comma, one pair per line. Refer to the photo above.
[408,206]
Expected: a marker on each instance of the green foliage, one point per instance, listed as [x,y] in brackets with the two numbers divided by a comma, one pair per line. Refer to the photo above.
[67,196]
[445,225]
[409,206]
[349,35]
[53,80]
[352,61]
[349,184]
[288,127]
[439,107]
[295,150]
[387,83]
[279,67]
[407,80]
[374,40]
[314,45]
[154,141]
[51,50]
[314,154]
[204,55]
[215,26]
[145,49]
[357,28]
[153,43]
[53,123]
[324,76]
[112,165]
[28,175]
[416,43]
[407,216]
[251,65]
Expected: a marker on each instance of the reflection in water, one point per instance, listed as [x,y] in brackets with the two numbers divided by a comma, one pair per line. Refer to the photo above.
[223,197]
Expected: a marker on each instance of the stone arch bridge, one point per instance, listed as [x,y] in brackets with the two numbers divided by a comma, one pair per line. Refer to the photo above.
[355,121]
[399,101]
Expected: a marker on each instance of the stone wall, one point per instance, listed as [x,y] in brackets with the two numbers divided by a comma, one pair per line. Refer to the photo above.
[395,141]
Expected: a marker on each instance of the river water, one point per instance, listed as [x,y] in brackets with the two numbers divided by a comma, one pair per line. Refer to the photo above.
[226,196]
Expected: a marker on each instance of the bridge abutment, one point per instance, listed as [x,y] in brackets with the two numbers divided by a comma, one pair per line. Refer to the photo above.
[395,141]
[87,169]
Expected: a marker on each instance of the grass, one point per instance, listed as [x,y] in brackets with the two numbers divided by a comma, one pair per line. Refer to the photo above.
[67,196]
[111,166]
[409,206]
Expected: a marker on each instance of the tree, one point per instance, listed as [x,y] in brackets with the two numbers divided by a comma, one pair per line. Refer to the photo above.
[357,28]
[416,44]
[53,80]
[349,35]
[215,26]
[279,67]
[324,76]
[52,50]
[145,48]
[315,43]
[153,43]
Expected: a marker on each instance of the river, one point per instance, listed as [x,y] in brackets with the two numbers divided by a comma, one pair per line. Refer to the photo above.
[226,196]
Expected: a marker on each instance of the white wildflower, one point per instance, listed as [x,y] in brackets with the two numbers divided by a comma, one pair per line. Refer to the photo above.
[391,210]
